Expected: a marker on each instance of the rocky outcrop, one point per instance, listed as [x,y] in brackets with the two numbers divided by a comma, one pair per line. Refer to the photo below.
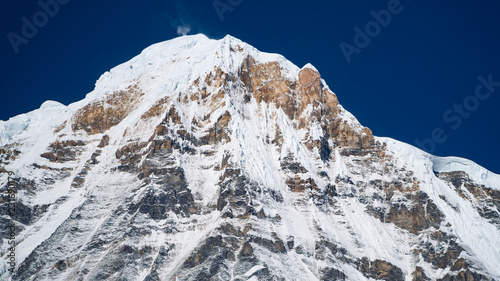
[63,151]
[485,199]
[414,215]
[167,193]
[8,153]
[381,270]
[98,116]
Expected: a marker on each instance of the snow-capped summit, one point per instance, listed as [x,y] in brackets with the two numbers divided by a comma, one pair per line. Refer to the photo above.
[203,159]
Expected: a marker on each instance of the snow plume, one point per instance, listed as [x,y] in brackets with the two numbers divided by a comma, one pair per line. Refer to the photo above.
[183,29]
[180,17]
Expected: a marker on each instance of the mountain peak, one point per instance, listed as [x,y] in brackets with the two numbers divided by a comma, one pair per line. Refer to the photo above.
[207,159]
[310,66]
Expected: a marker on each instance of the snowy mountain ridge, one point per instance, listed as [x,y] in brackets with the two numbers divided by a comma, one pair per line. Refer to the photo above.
[210,160]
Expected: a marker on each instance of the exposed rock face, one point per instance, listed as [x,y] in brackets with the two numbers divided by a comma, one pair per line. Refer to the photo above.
[63,151]
[8,154]
[486,200]
[99,116]
[268,85]
[208,160]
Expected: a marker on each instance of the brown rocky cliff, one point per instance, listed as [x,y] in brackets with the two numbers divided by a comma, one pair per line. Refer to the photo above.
[266,83]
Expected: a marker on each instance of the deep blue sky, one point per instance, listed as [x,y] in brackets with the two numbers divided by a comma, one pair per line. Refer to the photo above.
[423,62]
